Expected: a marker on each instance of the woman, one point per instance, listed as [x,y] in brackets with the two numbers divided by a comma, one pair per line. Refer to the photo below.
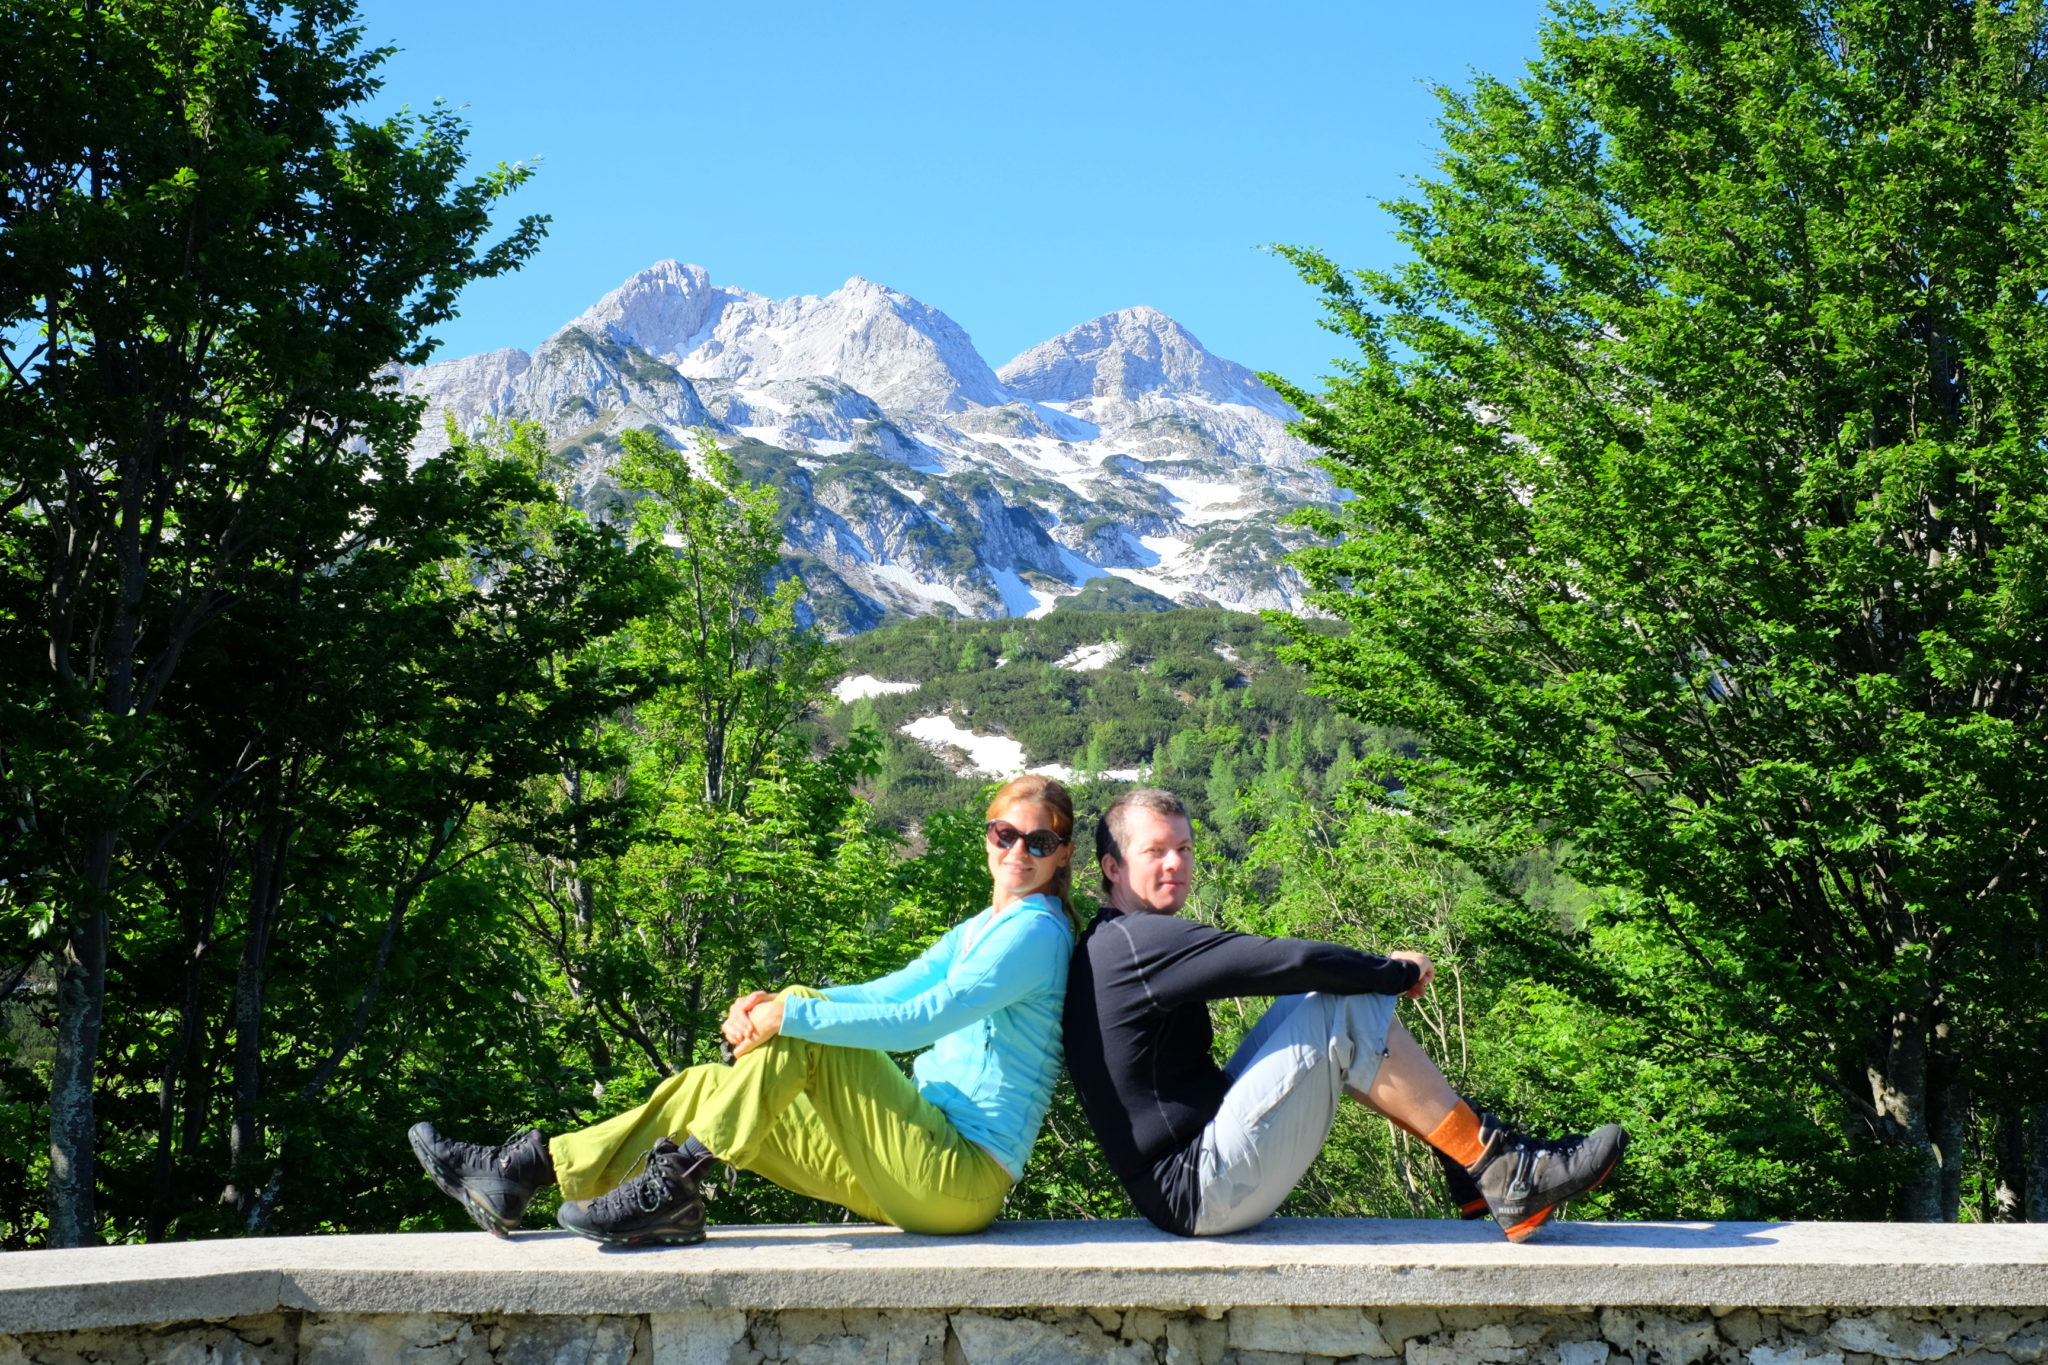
[812,1100]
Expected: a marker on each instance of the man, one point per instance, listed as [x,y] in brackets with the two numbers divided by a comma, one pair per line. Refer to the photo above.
[1204,1149]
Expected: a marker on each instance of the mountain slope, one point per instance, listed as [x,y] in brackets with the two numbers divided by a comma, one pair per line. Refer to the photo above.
[915,479]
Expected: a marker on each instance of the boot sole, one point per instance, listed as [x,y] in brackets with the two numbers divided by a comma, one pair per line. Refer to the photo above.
[645,1240]
[479,1213]
[1528,1227]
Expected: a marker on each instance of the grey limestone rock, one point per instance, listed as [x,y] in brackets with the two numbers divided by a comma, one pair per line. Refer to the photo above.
[1329,1332]
[986,1339]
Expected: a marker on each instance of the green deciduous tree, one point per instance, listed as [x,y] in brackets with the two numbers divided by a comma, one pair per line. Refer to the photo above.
[1700,520]
[733,855]
[209,266]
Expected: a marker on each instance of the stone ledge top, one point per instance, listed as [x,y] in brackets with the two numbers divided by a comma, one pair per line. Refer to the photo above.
[1283,1262]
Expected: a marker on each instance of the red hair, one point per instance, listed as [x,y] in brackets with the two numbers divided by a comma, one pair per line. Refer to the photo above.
[1046,792]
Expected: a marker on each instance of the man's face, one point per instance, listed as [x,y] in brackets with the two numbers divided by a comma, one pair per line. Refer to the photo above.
[1158,866]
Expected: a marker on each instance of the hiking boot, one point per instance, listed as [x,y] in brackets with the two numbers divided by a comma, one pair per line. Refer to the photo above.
[1460,1188]
[1524,1180]
[494,1183]
[662,1204]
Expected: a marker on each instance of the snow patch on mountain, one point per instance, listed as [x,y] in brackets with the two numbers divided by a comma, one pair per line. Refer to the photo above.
[990,755]
[994,755]
[1088,658]
[868,685]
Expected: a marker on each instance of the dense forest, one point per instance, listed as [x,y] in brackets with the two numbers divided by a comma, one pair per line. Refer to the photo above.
[1195,699]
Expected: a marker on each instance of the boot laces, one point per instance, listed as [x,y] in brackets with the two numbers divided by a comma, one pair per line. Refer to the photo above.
[504,1157]
[1524,1178]
[645,1188]
[1530,1157]
[472,1156]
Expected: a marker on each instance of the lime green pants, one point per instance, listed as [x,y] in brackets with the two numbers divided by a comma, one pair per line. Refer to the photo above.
[836,1123]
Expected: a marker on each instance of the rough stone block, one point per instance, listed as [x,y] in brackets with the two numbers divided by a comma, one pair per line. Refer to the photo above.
[1790,1353]
[850,1336]
[2027,1348]
[1144,1324]
[1654,1339]
[1893,1336]
[1399,1324]
[1491,1344]
[1328,1332]
[1196,1340]
[534,1340]
[988,1340]
[267,1340]
[1465,1317]
[390,1339]
[1582,1353]
[697,1338]
[1742,1328]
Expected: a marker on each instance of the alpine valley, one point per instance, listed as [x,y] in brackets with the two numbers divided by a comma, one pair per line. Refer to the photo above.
[913,478]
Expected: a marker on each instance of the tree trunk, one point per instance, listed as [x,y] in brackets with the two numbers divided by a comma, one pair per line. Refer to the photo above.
[2036,1151]
[1897,1076]
[2008,1196]
[266,887]
[200,936]
[1948,1107]
[582,893]
[81,1006]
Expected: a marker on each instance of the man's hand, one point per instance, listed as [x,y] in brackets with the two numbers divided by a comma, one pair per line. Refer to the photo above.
[1421,960]
[737,1028]
[764,1021]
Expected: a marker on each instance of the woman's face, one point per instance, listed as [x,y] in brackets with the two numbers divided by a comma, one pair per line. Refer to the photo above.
[1013,870]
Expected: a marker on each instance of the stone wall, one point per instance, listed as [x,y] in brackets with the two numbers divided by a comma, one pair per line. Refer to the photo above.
[1100,1336]
[1290,1292]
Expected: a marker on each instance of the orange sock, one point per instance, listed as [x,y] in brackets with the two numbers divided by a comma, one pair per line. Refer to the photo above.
[1457,1137]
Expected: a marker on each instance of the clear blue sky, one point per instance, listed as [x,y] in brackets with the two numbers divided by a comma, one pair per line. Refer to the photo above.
[1022,167]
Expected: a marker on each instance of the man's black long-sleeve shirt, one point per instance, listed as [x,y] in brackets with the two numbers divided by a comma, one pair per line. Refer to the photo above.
[1139,1043]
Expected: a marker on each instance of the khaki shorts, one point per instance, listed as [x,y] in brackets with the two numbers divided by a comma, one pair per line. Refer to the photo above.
[1287,1078]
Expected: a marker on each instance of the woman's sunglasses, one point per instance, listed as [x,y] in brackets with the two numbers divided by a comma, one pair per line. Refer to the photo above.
[1039,843]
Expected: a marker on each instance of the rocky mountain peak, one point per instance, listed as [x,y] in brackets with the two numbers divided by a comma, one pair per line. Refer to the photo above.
[911,477]
[1128,354]
[663,309]
[897,351]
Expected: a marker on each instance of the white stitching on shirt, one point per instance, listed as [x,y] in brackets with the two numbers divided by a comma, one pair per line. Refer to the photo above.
[1158,1101]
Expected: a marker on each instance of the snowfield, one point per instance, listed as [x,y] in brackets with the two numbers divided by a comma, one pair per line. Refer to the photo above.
[1090,657]
[868,685]
[1202,501]
[996,755]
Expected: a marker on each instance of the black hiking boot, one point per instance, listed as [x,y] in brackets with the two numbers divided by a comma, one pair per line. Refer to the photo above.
[1524,1180]
[662,1204]
[1461,1188]
[494,1183]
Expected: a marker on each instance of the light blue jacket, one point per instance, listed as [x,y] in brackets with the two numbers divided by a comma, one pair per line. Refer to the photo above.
[987,997]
